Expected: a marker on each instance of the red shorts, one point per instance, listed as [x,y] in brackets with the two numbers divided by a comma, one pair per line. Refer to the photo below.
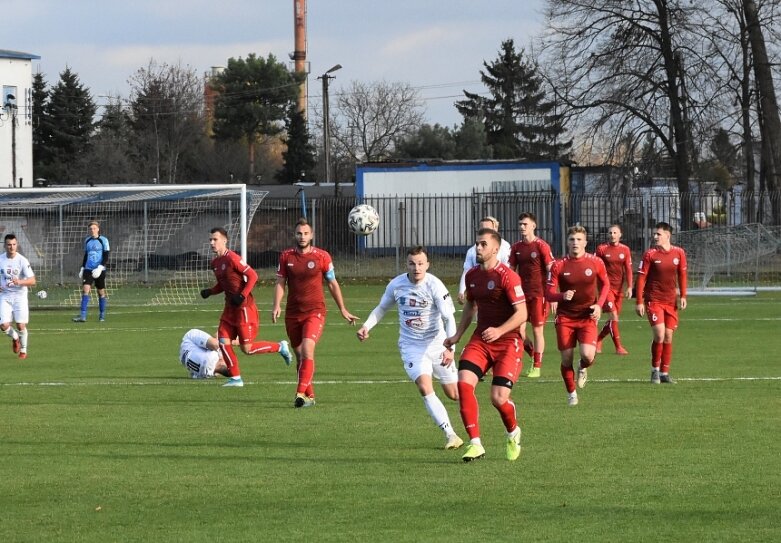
[659,313]
[246,332]
[538,310]
[570,332]
[614,302]
[503,355]
[304,326]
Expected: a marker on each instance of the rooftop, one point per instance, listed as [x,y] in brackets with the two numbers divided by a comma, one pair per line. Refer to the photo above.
[20,55]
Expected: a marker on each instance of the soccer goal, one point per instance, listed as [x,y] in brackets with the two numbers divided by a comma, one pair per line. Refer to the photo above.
[159,236]
[728,256]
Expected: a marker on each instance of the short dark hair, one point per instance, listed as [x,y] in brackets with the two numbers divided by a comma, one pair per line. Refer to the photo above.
[219,230]
[417,250]
[616,225]
[528,215]
[664,226]
[490,231]
[9,236]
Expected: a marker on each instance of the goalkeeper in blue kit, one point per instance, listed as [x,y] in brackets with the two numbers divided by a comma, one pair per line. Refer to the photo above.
[93,270]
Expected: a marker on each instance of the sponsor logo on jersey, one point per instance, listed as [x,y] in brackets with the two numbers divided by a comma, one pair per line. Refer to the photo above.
[675,261]
[533,254]
[621,256]
[589,273]
[491,285]
[518,291]
[415,322]
[408,313]
[446,296]
[310,265]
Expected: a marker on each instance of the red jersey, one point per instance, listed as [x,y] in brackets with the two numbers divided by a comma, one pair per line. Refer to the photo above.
[304,275]
[530,259]
[618,262]
[657,275]
[234,276]
[495,292]
[581,275]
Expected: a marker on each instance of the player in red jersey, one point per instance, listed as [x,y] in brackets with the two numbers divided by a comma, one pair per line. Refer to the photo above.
[302,269]
[239,318]
[531,258]
[661,267]
[579,283]
[494,291]
[618,262]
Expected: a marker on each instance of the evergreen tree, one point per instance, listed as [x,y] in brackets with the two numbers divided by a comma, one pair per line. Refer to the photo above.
[69,112]
[41,127]
[472,140]
[519,121]
[299,156]
[252,101]
[427,142]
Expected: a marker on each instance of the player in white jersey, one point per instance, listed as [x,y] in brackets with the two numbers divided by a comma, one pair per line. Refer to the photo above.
[470,261]
[199,352]
[16,276]
[426,318]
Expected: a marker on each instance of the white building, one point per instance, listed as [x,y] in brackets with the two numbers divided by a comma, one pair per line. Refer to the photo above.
[16,119]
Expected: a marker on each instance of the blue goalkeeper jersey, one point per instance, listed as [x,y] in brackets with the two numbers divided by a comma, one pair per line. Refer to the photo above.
[95,249]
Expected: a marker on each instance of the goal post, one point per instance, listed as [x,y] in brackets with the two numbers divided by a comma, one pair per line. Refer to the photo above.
[158,234]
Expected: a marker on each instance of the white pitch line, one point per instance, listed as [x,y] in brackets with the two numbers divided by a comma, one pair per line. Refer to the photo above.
[170,382]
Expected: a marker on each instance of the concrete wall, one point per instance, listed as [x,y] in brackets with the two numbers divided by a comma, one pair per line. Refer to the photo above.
[16,74]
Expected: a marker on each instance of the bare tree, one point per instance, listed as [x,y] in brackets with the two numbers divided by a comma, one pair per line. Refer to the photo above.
[165,115]
[630,70]
[369,117]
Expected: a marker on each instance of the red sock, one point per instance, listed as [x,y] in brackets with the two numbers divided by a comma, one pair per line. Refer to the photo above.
[605,331]
[507,412]
[656,354]
[537,359]
[667,356]
[568,374]
[305,372]
[614,333]
[230,359]
[470,411]
[262,347]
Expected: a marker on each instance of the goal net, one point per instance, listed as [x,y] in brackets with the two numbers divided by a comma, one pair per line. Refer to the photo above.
[159,237]
[728,255]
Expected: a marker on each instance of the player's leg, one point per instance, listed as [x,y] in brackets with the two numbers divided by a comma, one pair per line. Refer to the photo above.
[312,330]
[538,314]
[22,317]
[86,287]
[471,368]
[670,325]
[100,284]
[506,369]
[6,315]
[225,334]
[420,363]
[615,334]
[566,341]
[586,335]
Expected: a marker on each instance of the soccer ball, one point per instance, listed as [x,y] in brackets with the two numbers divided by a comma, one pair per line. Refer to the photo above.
[42,294]
[363,220]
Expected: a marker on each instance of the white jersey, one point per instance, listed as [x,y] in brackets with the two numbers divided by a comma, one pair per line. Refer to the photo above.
[194,355]
[470,261]
[11,269]
[421,307]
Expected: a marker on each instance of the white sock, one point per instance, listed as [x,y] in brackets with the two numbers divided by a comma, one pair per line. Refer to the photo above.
[514,432]
[438,413]
[475,441]
[11,332]
[23,338]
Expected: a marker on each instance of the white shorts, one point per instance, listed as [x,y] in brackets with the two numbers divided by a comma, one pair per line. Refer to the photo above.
[14,308]
[199,361]
[426,359]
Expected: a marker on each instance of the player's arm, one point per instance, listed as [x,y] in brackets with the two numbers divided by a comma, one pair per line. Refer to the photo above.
[604,290]
[552,293]
[106,251]
[628,274]
[210,291]
[640,286]
[279,292]
[386,302]
[467,315]
[682,282]
[516,320]
[336,294]
[469,263]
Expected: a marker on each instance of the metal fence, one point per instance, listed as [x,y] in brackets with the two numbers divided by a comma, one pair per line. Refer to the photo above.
[746,225]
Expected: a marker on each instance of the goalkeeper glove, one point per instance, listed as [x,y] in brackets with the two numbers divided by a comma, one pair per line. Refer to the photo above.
[237,299]
[97,271]
[81,273]
[205,293]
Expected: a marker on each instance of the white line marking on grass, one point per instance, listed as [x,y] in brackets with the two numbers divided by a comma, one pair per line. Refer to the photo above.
[197,382]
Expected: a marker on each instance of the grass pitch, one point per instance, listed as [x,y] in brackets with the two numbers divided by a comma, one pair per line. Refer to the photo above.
[104,438]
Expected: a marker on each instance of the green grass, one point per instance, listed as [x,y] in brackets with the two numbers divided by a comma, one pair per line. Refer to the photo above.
[105,439]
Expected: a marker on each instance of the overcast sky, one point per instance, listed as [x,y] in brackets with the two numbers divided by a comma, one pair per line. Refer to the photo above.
[437,46]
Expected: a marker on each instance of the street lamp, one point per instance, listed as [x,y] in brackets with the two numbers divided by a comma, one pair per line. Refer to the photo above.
[327,128]
[10,107]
